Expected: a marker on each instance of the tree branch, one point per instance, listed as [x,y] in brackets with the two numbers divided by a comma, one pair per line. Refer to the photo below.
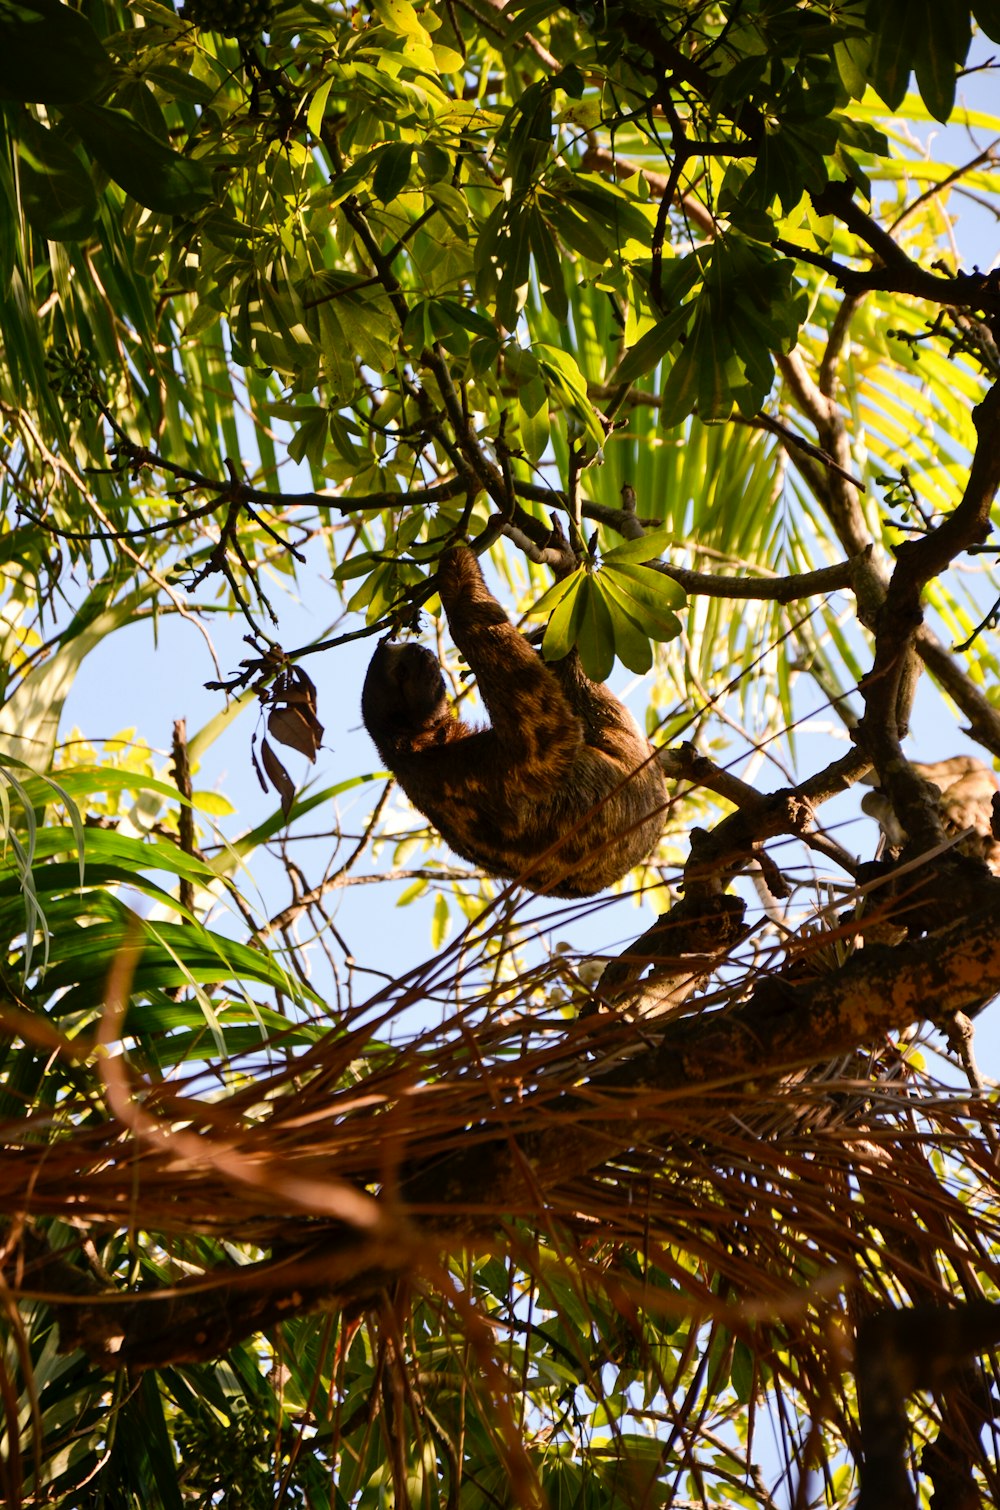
[880,730]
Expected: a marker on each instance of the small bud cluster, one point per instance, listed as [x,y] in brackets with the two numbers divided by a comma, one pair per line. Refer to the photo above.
[242,19]
[71,376]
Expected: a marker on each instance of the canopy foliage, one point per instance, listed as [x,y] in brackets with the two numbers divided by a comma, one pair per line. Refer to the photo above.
[677,1199]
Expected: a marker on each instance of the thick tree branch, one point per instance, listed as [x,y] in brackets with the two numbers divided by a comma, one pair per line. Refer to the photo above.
[684,763]
[788,589]
[766,589]
[898,273]
[899,619]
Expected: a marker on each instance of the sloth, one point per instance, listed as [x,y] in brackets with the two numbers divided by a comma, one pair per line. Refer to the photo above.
[561,792]
[968,790]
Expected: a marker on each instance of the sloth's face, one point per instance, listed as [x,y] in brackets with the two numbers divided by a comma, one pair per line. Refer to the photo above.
[404,689]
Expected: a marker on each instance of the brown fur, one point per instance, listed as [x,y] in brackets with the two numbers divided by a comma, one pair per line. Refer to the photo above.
[562,792]
[967,792]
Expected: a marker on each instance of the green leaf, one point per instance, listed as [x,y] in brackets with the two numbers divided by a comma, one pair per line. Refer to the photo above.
[412,892]
[530,140]
[440,921]
[941,44]
[648,352]
[640,591]
[520,364]
[309,438]
[611,207]
[632,645]
[534,418]
[650,547]
[168,955]
[57,191]
[107,847]
[512,258]
[563,628]
[50,55]
[987,14]
[400,17]
[317,107]
[575,228]
[743,1374]
[596,635]
[547,603]
[657,582]
[549,264]
[680,391]
[570,385]
[852,56]
[892,55]
[212,803]
[153,174]
[392,171]
[337,360]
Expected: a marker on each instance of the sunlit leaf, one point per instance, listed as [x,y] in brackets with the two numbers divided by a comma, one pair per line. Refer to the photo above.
[646,595]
